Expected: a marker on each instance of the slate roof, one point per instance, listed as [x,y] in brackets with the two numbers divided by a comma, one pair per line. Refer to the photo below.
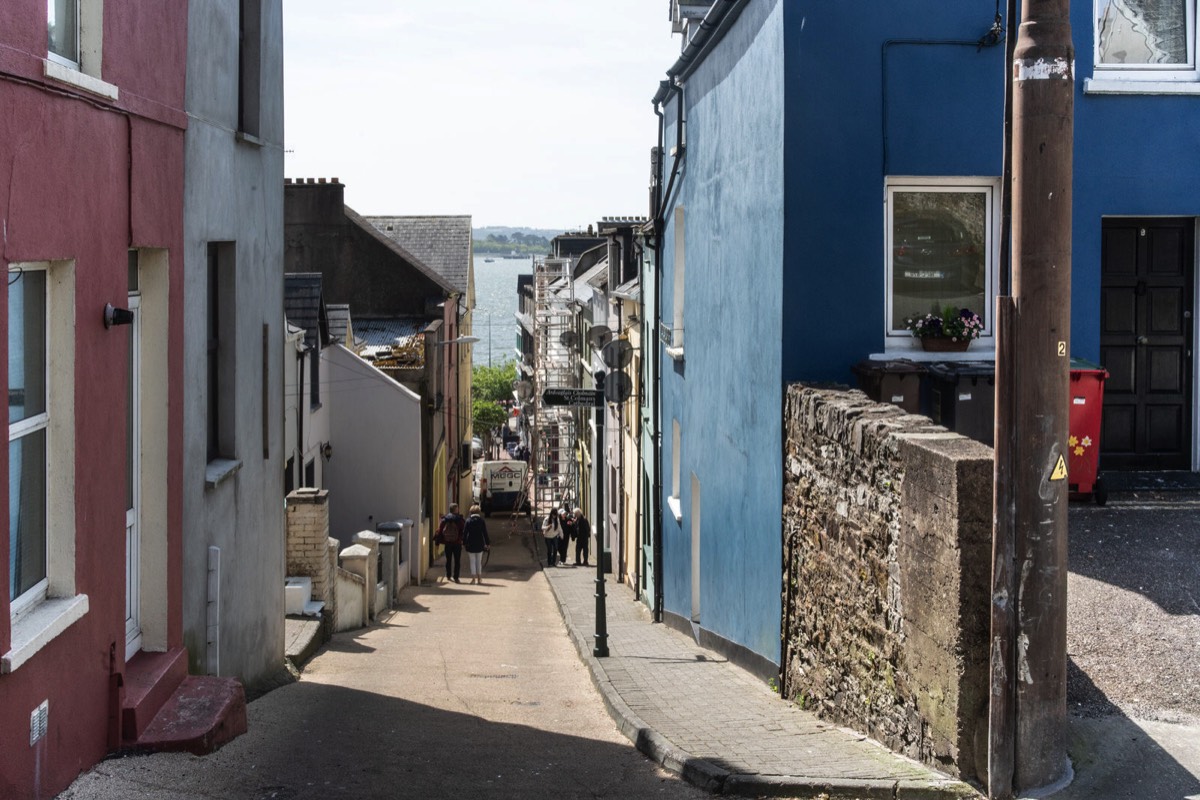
[384,238]
[303,307]
[381,331]
[441,243]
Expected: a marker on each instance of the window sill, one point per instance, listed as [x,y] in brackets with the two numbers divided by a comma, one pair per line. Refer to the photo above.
[1128,86]
[37,627]
[80,80]
[676,508]
[980,351]
[249,138]
[219,470]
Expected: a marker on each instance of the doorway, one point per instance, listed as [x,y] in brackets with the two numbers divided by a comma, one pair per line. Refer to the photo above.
[133,472]
[1146,307]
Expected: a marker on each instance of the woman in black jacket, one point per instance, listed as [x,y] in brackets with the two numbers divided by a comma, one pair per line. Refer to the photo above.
[475,542]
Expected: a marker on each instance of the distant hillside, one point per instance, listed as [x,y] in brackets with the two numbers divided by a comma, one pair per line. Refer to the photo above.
[500,240]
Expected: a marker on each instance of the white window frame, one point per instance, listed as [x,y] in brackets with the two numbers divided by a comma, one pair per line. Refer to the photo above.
[903,340]
[48,609]
[31,425]
[673,501]
[675,350]
[1144,78]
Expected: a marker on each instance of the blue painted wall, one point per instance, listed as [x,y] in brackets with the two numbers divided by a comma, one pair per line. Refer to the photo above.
[727,394]
[888,92]
[865,99]
[795,120]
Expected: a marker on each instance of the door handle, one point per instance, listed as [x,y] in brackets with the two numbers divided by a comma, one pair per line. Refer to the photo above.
[1143,340]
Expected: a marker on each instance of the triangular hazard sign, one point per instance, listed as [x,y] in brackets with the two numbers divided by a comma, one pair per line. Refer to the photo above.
[1060,470]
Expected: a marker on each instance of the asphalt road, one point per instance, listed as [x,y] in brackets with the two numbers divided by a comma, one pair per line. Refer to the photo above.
[462,692]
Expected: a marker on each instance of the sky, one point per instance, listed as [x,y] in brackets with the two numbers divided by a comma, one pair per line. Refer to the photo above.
[531,113]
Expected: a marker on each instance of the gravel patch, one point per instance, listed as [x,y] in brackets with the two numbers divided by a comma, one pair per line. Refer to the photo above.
[1133,608]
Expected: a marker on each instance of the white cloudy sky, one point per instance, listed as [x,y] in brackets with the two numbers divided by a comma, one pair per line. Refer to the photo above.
[518,112]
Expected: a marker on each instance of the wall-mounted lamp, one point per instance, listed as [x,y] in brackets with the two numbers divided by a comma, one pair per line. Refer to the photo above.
[327,451]
[116,316]
[459,340]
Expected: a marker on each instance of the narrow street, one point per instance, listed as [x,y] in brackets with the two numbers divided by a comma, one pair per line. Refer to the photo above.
[463,691]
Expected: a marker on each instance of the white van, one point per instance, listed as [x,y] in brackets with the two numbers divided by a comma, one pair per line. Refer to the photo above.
[498,484]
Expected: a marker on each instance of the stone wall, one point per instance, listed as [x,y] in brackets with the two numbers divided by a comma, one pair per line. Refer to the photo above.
[887,564]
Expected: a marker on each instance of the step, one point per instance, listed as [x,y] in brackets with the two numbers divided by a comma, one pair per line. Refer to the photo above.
[150,680]
[203,714]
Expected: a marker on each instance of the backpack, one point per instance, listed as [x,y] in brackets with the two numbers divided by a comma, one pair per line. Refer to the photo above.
[450,531]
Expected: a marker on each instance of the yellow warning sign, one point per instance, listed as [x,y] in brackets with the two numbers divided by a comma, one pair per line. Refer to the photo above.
[1060,470]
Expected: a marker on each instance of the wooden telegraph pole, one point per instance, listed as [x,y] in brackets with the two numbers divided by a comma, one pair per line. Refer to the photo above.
[1029,610]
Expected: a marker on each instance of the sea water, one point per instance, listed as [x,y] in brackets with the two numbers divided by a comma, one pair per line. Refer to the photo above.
[495,320]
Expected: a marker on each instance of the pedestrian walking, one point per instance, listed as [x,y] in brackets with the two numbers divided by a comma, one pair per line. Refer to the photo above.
[583,535]
[567,523]
[449,535]
[476,542]
[552,533]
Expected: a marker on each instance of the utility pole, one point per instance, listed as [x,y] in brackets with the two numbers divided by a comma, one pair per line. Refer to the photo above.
[1029,601]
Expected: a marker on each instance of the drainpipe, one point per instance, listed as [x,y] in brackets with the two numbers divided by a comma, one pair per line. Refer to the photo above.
[665,90]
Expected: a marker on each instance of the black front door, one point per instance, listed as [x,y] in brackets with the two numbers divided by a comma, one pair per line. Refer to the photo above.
[1146,343]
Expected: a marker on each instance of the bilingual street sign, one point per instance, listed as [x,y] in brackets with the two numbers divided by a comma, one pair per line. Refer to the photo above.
[580,398]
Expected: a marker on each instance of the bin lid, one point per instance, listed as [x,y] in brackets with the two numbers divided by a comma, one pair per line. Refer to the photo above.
[1083,365]
[954,370]
[897,366]
[389,526]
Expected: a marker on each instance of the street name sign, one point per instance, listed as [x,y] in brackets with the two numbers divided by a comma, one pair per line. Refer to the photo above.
[581,398]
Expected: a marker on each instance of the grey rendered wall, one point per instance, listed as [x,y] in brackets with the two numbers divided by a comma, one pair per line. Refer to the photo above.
[375,429]
[234,193]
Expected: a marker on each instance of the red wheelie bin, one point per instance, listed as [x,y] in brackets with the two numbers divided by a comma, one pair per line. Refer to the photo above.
[1083,443]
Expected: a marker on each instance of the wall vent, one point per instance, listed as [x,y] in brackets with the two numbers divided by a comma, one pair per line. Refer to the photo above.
[39,718]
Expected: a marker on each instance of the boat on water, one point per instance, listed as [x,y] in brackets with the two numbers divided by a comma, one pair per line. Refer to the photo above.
[488,260]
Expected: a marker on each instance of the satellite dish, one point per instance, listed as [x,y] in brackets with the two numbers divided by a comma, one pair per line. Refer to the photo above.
[599,336]
[617,354]
[617,387]
[569,339]
[524,390]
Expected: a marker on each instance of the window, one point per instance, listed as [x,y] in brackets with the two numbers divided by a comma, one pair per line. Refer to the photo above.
[1151,41]
[1156,37]
[28,423]
[75,45]
[939,241]
[314,379]
[676,467]
[221,352]
[62,26]
[676,348]
[249,66]
[41,457]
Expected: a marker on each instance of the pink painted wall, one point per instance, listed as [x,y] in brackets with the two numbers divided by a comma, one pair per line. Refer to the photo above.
[86,179]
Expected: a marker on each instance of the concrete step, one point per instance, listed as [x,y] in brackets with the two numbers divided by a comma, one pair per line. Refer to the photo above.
[203,714]
[150,680]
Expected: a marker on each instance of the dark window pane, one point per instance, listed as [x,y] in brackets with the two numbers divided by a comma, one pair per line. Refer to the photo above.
[26,512]
[26,344]
[939,253]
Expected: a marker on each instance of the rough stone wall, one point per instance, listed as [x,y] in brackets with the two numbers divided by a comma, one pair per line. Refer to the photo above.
[887,560]
[308,540]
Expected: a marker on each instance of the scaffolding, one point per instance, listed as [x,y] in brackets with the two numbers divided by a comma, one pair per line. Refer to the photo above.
[554,464]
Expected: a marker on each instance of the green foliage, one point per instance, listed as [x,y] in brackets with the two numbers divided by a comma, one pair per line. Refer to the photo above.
[493,384]
[487,415]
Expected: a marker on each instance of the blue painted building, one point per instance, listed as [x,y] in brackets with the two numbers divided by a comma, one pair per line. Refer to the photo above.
[828,171]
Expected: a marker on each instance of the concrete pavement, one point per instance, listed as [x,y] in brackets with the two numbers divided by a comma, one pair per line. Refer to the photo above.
[713,723]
